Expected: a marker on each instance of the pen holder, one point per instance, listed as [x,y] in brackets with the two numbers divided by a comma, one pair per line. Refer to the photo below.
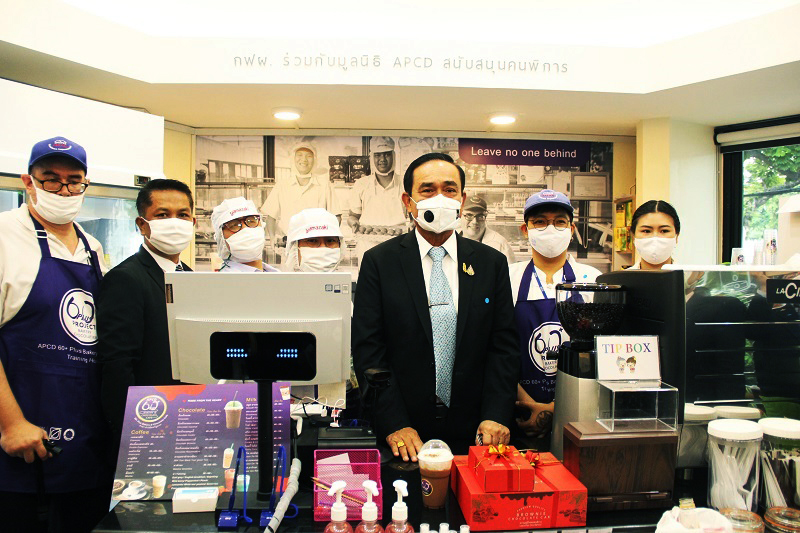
[353,467]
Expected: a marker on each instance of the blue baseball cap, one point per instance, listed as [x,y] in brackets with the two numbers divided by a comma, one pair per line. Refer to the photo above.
[548,197]
[58,146]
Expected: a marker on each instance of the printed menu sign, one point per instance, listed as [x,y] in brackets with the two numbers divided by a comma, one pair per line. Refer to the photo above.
[189,436]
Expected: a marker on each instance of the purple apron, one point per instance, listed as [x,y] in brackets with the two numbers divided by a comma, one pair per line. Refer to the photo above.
[49,352]
[539,330]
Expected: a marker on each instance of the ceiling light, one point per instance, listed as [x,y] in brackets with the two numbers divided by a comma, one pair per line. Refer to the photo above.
[502,119]
[286,113]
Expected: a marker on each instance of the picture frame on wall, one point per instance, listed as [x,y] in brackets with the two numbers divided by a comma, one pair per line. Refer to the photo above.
[590,186]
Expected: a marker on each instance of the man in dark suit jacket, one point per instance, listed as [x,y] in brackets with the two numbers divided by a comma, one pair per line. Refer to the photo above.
[394,312]
[133,336]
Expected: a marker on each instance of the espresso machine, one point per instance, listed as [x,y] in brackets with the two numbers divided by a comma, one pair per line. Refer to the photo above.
[585,310]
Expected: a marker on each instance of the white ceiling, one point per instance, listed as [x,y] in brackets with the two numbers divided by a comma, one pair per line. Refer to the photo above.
[752,95]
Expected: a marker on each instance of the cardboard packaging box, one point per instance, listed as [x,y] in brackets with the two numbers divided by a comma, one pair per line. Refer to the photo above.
[507,473]
[558,499]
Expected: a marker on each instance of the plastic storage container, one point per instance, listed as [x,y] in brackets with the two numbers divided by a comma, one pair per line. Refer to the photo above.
[645,405]
[733,457]
[782,520]
[693,443]
[743,521]
[780,462]
[353,467]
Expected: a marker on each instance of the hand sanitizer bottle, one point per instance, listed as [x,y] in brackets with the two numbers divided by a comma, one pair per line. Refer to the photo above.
[338,523]
[400,510]
[369,512]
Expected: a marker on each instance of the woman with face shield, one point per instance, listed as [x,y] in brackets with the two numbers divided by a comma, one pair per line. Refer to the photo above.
[549,228]
[240,236]
[655,227]
[314,242]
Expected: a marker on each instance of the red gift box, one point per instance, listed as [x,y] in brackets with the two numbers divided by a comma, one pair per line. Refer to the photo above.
[500,469]
[558,499]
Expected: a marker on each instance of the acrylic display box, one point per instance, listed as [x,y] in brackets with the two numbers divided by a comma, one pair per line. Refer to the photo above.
[644,405]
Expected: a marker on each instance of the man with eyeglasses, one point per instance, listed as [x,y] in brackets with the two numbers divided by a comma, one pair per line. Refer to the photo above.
[549,228]
[240,236]
[473,222]
[50,272]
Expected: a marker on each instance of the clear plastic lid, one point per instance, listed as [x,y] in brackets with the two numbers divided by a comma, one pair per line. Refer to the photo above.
[435,453]
[743,521]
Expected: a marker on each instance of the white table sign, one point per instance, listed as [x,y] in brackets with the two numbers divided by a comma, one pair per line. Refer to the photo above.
[627,357]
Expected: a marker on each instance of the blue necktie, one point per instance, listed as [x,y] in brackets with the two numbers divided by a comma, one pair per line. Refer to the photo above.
[444,320]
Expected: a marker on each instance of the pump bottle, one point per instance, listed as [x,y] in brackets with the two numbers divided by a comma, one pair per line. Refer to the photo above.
[400,510]
[338,523]
[369,512]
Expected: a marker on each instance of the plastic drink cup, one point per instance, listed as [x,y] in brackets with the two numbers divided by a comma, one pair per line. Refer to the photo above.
[229,479]
[243,483]
[435,460]
[233,414]
[227,457]
[159,483]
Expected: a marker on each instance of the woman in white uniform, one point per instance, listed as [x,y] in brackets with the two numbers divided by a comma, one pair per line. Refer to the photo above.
[240,236]
[655,227]
[314,242]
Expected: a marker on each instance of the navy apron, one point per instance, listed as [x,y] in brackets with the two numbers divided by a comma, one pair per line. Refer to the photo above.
[539,330]
[49,352]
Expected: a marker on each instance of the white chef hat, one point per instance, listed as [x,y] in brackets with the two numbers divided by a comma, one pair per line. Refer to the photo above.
[381,144]
[309,223]
[228,210]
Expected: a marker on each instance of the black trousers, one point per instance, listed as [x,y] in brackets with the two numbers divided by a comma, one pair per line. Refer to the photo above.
[70,512]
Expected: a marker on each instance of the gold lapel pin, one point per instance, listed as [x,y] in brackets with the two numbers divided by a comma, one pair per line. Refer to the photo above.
[468,270]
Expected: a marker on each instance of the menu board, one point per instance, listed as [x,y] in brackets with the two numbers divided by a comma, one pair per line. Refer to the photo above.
[189,436]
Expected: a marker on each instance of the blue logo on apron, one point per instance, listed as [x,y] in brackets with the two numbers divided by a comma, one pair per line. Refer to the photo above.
[77,316]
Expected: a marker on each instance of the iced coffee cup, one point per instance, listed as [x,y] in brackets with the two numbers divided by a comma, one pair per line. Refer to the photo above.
[435,460]
[159,483]
[229,479]
[233,414]
[227,457]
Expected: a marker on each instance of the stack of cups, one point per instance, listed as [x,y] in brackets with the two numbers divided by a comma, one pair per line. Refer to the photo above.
[733,456]
[435,460]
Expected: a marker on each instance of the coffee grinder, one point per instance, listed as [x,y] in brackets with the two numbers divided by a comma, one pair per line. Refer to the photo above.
[585,310]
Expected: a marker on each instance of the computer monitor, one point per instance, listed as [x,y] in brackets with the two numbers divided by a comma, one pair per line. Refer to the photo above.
[277,326]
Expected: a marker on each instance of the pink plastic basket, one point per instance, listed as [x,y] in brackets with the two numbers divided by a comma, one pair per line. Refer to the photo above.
[353,467]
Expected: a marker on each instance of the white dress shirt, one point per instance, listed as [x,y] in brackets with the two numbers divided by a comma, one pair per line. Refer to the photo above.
[166,264]
[20,256]
[449,264]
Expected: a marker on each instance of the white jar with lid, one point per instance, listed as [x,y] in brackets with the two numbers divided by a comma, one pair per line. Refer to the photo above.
[738,412]
[780,450]
[693,442]
[734,465]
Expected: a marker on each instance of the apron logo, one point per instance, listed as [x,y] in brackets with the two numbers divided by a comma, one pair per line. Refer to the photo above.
[548,336]
[77,314]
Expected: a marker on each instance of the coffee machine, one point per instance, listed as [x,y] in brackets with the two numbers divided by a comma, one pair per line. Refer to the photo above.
[585,310]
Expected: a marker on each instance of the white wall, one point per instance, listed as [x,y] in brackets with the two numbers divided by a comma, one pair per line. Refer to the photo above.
[693,189]
[119,142]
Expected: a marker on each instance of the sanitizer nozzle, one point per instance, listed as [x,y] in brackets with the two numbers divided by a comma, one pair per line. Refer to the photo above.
[338,509]
[369,511]
[400,509]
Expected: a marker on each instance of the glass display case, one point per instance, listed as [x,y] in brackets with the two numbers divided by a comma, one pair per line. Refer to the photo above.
[645,405]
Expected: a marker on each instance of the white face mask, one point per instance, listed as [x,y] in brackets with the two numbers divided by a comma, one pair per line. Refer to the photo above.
[57,209]
[438,214]
[550,242]
[322,259]
[170,236]
[655,250]
[247,244]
